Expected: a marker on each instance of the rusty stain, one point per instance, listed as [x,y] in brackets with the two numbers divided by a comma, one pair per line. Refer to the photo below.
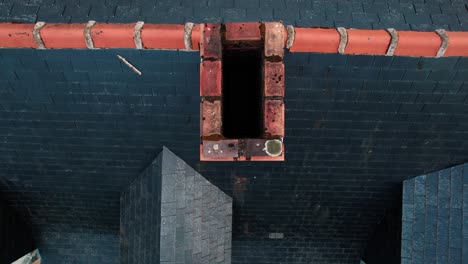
[239,187]
[220,149]
[318,123]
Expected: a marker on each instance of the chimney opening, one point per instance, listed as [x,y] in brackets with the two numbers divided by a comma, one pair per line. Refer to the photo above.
[242,93]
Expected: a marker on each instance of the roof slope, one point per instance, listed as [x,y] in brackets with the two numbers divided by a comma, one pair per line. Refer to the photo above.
[78,126]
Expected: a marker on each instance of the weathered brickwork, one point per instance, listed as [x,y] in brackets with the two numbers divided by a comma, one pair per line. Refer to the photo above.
[172,214]
[435,217]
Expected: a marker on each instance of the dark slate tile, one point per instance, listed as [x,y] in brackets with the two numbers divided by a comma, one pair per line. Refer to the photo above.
[233,14]
[407,63]
[431,189]
[406,248]
[416,75]
[125,14]
[318,21]
[360,60]
[455,255]
[462,63]
[461,76]
[418,257]
[205,15]
[448,87]
[52,14]
[431,224]
[444,183]
[275,4]
[430,255]
[288,15]
[427,8]
[407,230]
[426,88]
[418,241]
[78,14]
[401,7]
[328,59]
[224,3]
[456,187]
[254,4]
[365,17]
[445,63]
[23,13]
[350,6]
[441,75]
[392,17]
[463,89]
[420,185]
[456,218]
[170,15]
[101,12]
[455,236]
[259,14]
[419,226]
[454,8]
[302,4]
[59,65]
[339,17]
[408,191]
[444,18]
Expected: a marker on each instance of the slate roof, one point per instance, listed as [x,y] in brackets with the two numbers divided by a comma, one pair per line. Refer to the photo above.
[435,217]
[77,126]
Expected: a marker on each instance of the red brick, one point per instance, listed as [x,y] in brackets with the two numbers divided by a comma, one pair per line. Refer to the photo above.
[274,39]
[324,40]
[113,35]
[243,31]
[210,44]
[274,118]
[210,78]
[210,118]
[274,78]
[17,35]
[458,44]
[414,43]
[163,36]
[60,36]
[374,42]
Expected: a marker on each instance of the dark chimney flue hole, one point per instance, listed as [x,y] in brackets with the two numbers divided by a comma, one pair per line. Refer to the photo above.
[242,93]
